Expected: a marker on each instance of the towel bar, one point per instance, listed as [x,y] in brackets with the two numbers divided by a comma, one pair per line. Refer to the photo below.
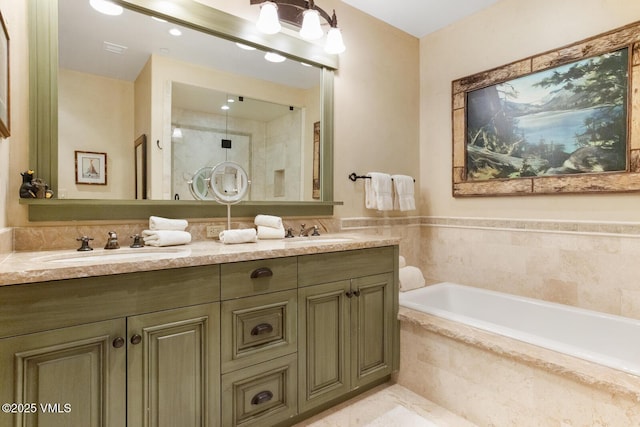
[354,177]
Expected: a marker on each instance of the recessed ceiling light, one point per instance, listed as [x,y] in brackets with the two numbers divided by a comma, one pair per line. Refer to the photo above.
[106,7]
[274,57]
[230,100]
[175,32]
[245,46]
[158,19]
[304,64]
[224,107]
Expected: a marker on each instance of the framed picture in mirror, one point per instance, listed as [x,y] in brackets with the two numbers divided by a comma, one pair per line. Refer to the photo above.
[91,167]
[5,107]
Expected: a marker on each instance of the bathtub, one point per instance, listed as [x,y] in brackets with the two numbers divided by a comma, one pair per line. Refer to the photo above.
[498,359]
[608,340]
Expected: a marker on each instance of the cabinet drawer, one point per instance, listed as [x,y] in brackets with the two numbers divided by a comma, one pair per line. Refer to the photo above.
[249,278]
[334,266]
[260,395]
[258,328]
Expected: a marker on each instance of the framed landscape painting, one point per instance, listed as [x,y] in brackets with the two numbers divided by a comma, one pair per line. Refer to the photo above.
[558,122]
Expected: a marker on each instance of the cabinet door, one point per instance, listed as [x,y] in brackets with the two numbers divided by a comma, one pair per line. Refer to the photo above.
[174,367]
[323,326]
[372,328]
[71,376]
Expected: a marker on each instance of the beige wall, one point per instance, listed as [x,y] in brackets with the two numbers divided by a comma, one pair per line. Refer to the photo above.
[13,151]
[508,31]
[376,101]
[95,114]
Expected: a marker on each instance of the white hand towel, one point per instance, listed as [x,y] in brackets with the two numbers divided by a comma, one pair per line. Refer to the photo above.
[165,237]
[159,223]
[268,221]
[243,235]
[404,198]
[410,278]
[378,191]
[265,232]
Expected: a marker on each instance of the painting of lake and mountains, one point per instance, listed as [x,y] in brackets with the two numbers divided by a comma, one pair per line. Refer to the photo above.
[570,119]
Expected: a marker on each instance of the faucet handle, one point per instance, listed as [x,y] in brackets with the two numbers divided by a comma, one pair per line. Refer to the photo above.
[137,243]
[289,233]
[85,243]
[315,231]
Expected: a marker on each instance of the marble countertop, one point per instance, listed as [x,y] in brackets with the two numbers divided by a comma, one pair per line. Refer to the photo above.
[31,267]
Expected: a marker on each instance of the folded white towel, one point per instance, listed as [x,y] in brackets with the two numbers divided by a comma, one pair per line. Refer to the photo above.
[268,221]
[165,237]
[401,262]
[410,278]
[159,223]
[243,235]
[378,191]
[404,198]
[265,232]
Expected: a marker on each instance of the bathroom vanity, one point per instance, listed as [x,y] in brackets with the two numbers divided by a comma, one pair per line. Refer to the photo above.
[228,335]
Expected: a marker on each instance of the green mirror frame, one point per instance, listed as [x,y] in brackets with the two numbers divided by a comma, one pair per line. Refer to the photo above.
[43,116]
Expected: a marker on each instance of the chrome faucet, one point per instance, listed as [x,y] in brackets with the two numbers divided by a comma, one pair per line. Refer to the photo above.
[112,241]
[304,232]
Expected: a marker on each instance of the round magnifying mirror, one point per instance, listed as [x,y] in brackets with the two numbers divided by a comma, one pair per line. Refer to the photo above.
[229,182]
[199,184]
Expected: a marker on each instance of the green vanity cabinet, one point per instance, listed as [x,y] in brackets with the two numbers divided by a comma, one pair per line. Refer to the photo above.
[112,351]
[346,326]
[76,374]
[173,367]
[259,342]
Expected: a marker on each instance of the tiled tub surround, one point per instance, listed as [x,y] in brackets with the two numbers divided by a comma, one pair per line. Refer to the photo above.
[493,380]
[585,264]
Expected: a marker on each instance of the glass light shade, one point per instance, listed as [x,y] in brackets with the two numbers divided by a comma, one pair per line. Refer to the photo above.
[106,7]
[268,21]
[311,29]
[177,133]
[274,57]
[334,43]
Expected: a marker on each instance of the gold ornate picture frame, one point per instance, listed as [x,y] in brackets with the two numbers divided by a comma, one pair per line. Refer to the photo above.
[490,166]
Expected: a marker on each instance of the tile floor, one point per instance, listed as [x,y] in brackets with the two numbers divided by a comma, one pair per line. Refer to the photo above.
[388,405]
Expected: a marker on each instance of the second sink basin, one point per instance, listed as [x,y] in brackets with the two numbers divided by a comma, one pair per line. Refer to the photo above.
[319,239]
[114,255]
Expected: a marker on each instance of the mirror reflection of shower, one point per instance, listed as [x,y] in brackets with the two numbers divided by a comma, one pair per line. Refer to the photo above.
[262,137]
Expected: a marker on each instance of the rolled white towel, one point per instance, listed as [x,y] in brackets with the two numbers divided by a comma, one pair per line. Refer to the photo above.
[159,223]
[410,278]
[265,232]
[165,237]
[268,221]
[402,262]
[243,235]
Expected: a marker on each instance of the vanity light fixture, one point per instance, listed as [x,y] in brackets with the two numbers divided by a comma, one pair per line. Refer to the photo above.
[301,13]
[107,7]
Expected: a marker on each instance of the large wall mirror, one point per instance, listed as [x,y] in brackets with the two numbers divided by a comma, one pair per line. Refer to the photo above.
[198,98]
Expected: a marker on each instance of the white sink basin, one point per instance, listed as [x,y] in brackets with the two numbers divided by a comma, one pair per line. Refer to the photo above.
[113,255]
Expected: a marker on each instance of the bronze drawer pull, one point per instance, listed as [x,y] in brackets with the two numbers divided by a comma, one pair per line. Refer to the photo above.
[262,397]
[118,342]
[262,328]
[136,339]
[261,272]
